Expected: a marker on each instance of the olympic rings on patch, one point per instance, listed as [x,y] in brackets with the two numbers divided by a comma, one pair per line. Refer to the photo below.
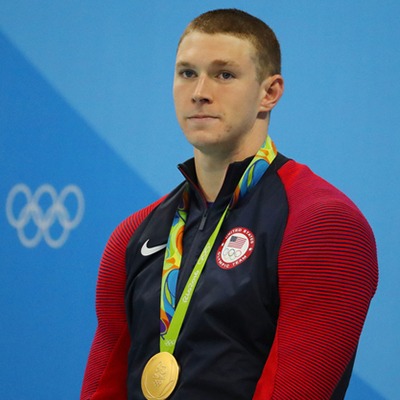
[43,220]
[232,254]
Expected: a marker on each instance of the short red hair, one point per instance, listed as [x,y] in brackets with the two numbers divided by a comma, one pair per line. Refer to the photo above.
[245,26]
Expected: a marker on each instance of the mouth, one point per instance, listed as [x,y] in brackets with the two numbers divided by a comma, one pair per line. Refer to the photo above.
[202,117]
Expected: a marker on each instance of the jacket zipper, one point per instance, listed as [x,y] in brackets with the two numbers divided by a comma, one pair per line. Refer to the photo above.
[205,213]
[203,220]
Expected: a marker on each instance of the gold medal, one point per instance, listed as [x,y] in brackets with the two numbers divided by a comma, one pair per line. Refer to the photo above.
[160,376]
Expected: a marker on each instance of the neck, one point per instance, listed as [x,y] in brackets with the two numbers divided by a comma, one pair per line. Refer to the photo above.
[210,174]
[211,168]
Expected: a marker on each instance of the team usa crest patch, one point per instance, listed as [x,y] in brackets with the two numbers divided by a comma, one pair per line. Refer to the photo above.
[236,247]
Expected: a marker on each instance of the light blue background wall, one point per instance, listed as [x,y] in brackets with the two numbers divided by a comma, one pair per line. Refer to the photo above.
[85,99]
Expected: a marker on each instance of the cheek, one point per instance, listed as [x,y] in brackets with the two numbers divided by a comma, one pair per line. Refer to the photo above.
[178,104]
[250,109]
[175,95]
[181,98]
[242,111]
[177,92]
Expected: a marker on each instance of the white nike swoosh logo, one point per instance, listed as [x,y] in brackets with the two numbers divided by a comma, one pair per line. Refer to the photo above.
[148,251]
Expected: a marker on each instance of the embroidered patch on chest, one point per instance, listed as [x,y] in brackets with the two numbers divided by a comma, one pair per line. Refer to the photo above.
[236,247]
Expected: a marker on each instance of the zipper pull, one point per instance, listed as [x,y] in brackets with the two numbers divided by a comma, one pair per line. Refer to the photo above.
[203,220]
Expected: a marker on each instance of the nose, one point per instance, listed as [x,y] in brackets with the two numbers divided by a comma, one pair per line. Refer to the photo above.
[202,91]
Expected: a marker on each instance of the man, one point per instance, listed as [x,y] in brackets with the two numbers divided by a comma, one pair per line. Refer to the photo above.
[252,279]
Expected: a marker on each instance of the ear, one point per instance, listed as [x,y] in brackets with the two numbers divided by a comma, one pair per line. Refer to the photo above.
[273,87]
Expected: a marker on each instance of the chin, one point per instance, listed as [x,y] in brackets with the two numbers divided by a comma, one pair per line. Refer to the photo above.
[204,140]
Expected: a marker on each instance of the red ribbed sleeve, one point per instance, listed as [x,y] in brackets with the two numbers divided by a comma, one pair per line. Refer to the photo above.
[328,273]
[106,370]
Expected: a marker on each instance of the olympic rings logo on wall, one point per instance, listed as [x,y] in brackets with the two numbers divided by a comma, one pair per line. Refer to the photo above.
[44,214]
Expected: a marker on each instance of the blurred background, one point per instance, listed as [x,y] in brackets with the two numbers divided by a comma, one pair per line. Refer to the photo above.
[88,134]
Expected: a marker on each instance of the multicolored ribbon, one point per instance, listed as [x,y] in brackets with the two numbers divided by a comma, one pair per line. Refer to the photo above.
[172,262]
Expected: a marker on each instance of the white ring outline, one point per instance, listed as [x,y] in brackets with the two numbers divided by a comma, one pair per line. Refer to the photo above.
[44,219]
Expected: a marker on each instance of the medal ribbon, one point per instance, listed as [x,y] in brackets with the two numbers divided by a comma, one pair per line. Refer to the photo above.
[172,315]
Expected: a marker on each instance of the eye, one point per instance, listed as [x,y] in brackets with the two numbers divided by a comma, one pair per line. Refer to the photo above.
[225,76]
[187,73]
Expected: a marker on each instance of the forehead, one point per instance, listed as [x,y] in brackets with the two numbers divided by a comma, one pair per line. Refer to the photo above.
[201,47]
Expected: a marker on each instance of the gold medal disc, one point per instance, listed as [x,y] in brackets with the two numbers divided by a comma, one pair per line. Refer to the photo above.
[160,376]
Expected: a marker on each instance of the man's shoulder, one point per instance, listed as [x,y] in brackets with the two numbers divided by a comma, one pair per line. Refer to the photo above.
[133,221]
[297,176]
[307,190]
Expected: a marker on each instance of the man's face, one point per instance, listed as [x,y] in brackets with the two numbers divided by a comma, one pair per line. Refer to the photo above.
[216,92]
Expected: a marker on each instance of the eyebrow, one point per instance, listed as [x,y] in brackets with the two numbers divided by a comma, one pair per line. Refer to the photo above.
[215,63]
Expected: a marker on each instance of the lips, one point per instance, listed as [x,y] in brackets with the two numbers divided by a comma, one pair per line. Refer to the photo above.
[201,117]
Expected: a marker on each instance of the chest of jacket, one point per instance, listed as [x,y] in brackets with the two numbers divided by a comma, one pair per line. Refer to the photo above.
[235,304]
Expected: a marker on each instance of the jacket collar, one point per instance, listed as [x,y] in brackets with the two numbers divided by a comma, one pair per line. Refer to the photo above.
[232,178]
